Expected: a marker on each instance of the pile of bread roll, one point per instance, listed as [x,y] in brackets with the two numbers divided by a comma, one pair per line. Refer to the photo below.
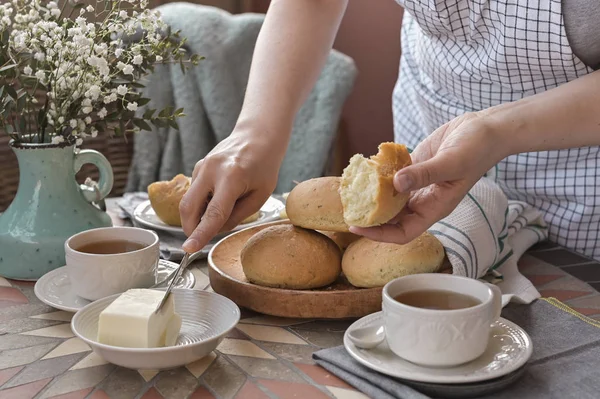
[317,246]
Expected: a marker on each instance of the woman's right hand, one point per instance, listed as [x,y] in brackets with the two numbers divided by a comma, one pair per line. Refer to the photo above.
[238,175]
[231,183]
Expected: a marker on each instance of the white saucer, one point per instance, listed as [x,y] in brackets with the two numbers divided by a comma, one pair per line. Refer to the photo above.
[206,319]
[145,216]
[54,288]
[509,349]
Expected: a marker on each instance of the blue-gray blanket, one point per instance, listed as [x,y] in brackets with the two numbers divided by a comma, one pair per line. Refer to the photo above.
[212,95]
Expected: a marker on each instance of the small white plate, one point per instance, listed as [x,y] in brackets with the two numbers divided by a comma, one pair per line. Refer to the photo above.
[54,288]
[510,347]
[144,215]
[206,319]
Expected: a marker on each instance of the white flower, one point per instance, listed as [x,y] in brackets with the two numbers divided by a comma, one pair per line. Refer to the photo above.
[40,75]
[87,110]
[93,92]
[159,58]
[39,56]
[27,70]
[86,102]
[122,90]
[73,123]
[118,52]
[57,139]
[132,106]
[102,113]
[78,142]
[110,99]
[138,59]
[94,132]
[128,70]
[90,9]
[61,120]
[55,12]
[88,120]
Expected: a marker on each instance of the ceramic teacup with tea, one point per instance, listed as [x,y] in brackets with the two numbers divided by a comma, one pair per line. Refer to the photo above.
[107,261]
[439,320]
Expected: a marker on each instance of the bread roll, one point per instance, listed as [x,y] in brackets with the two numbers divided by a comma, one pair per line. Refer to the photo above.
[165,197]
[369,263]
[367,190]
[252,218]
[315,204]
[341,239]
[286,256]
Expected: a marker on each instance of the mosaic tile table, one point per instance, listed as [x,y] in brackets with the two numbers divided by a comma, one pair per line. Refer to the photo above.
[264,357]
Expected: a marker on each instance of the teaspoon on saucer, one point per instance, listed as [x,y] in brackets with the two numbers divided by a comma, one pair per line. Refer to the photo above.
[367,337]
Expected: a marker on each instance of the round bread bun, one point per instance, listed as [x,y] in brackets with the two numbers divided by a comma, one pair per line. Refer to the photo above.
[368,263]
[290,257]
[252,218]
[367,190]
[341,239]
[165,197]
[315,204]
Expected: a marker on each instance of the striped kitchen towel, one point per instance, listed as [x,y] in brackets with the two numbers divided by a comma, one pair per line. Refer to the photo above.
[487,234]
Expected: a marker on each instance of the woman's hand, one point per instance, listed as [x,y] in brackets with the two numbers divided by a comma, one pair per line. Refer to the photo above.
[232,182]
[445,166]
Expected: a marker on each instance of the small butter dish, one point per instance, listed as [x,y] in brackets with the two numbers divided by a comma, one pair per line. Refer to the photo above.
[206,319]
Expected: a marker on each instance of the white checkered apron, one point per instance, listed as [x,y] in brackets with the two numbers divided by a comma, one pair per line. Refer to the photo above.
[467,55]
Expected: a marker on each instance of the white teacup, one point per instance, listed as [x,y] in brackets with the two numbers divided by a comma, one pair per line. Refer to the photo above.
[94,276]
[440,338]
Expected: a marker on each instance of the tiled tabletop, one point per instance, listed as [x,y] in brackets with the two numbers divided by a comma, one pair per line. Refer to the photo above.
[264,357]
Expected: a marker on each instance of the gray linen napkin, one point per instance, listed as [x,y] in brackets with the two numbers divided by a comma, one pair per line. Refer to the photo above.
[565,363]
[170,245]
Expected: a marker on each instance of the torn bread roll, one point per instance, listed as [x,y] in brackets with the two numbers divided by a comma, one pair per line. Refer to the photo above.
[368,263]
[165,197]
[367,190]
[252,218]
[290,257]
[315,204]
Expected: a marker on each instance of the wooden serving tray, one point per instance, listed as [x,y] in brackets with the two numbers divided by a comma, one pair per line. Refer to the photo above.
[338,301]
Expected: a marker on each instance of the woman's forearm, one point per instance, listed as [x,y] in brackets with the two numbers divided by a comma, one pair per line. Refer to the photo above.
[564,117]
[291,49]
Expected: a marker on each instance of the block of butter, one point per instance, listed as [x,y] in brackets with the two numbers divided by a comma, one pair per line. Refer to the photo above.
[130,321]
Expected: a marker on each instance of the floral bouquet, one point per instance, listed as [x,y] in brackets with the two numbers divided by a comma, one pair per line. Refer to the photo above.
[70,70]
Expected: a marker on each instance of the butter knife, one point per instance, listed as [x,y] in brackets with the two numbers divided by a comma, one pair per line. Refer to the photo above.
[184,263]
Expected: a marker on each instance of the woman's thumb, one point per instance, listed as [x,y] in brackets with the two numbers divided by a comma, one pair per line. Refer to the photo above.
[417,176]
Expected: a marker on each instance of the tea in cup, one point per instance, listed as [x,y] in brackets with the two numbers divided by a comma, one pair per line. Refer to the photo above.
[439,320]
[107,261]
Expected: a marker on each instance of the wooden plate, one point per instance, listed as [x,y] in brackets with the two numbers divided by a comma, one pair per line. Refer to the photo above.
[337,301]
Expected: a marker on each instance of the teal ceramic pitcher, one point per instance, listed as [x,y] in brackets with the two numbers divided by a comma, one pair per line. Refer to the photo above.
[50,206]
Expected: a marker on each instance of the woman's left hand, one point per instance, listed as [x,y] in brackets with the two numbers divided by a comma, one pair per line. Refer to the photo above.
[445,167]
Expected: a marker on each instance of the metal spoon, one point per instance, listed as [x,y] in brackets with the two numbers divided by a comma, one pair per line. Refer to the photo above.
[367,337]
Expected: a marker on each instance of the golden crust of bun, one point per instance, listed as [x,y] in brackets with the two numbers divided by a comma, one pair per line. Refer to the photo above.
[252,218]
[343,240]
[367,190]
[290,257]
[165,197]
[368,263]
[315,204]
